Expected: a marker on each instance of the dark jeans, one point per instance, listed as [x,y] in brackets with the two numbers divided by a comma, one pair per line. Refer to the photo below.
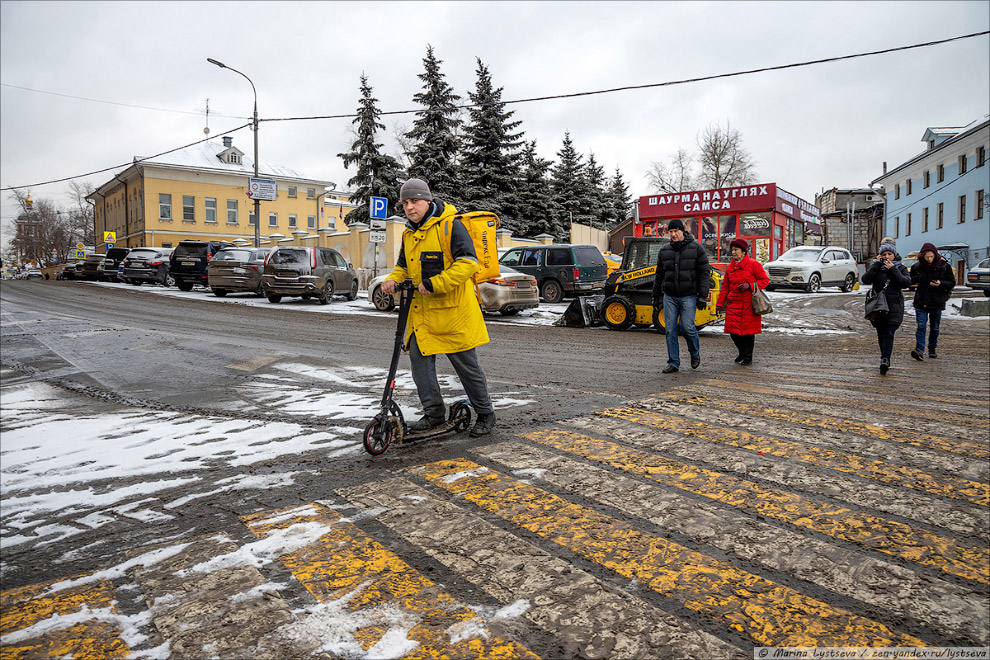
[465,363]
[926,317]
[885,337]
[678,318]
[744,344]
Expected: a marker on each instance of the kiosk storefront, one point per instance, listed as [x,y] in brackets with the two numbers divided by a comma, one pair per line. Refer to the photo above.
[771,219]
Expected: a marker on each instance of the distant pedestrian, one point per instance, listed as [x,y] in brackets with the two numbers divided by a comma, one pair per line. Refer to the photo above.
[681,286]
[933,276]
[742,275]
[888,277]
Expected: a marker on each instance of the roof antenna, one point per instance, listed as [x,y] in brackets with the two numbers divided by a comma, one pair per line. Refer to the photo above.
[206,130]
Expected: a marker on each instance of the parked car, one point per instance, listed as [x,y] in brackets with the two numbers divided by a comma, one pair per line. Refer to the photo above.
[978,277]
[68,271]
[148,264]
[810,267]
[108,269]
[508,294]
[237,269]
[33,275]
[307,272]
[91,269]
[191,260]
[912,259]
[560,268]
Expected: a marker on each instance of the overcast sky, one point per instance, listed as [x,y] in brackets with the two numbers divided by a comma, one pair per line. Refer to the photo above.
[807,128]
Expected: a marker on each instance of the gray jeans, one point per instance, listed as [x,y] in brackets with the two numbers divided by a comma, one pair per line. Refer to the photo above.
[465,363]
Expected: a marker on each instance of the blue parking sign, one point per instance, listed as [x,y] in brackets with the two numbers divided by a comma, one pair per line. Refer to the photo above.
[379,208]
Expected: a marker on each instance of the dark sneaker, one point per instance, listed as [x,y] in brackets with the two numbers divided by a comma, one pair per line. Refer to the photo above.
[738,359]
[670,369]
[426,423]
[746,361]
[484,425]
[916,354]
[884,366]
[696,361]
[932,355]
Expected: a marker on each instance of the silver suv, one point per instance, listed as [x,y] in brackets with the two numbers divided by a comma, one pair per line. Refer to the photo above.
[810,267]
[307,272]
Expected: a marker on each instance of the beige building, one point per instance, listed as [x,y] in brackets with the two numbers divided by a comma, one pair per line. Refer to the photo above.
[200,193]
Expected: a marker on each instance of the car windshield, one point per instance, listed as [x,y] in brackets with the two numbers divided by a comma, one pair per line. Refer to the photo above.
[801,254]
[194,250]
[984,264]
[283,256]
[233,255]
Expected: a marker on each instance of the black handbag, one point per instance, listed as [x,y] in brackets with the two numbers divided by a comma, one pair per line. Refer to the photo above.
[876,303]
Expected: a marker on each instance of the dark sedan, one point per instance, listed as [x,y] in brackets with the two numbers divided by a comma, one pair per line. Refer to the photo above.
[148,265]
[237,269]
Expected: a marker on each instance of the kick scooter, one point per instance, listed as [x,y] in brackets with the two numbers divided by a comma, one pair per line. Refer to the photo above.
[389,425]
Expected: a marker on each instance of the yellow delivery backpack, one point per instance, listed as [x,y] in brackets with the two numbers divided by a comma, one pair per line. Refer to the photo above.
[481,226]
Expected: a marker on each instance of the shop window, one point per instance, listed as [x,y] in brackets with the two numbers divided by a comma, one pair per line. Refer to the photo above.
[717,232]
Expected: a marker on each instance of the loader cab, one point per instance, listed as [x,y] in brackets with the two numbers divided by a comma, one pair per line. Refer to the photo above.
[641,252]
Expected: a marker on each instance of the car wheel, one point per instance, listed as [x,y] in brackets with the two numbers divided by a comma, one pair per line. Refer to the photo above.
[219,293]
[618,312]
[814,283]
[383,302]
[551,291]
[849,283]
[168,281]
[658,320]
[324,297]
[353,293]
[184,286]
[274,298]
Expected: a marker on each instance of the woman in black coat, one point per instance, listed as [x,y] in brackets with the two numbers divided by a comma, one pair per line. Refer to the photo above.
[933,277]
[889,277]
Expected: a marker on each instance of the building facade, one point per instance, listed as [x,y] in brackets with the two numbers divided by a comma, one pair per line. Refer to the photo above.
[771,219]
[939,196]
[200,193]
[852,218]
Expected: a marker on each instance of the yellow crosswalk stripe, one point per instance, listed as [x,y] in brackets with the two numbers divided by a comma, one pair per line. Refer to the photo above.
[886,433]
[771,614]
[872,532]
[24,607]
[908,477]
[846,402]
[346,564]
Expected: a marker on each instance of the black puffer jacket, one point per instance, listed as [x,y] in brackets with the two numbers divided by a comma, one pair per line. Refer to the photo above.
[898,278]
[682,270]
[927,296]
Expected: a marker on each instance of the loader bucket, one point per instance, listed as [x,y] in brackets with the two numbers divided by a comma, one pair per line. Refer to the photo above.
[583,312]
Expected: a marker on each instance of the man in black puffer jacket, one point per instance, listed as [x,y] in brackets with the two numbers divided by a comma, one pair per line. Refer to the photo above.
[933,275]
[681,286]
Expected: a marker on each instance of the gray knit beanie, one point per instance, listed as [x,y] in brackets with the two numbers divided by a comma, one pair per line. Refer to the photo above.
[888,247]
[415,189]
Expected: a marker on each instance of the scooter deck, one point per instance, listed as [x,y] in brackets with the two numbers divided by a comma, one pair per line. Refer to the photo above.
[444,429]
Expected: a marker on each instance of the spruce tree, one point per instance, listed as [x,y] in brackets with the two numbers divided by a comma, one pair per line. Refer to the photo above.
[536,209]
[436,146]
[377,173]
[620,201]
[490,153]
[596,204]
[570,188]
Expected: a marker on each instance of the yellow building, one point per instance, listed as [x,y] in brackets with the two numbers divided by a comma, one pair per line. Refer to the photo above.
[200,193]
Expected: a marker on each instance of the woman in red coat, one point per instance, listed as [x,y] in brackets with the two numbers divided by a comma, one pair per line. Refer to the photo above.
[736,298]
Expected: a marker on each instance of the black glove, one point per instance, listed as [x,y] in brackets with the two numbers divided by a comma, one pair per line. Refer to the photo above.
[702,303]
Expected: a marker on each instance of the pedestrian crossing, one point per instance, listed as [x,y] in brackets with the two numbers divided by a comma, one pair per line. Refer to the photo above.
[698,522]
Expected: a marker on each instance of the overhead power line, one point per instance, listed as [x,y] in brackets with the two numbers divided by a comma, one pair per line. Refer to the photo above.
[126,105]
[671,82]
[542,98]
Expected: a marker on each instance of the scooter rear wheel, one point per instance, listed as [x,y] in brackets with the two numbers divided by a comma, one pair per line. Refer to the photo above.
[377,436]
[460,417]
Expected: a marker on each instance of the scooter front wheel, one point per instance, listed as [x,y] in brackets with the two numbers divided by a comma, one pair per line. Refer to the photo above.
[377,436]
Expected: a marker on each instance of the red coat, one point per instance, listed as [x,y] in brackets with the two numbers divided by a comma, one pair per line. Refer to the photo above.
[739,316]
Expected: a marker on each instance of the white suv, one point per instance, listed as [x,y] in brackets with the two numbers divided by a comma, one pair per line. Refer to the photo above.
[810,267]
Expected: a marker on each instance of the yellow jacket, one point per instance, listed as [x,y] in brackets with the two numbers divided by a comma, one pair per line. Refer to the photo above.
[449,320]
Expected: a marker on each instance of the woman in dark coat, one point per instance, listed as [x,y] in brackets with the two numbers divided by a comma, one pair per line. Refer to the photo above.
[933,276]
[736,298]
[889,277]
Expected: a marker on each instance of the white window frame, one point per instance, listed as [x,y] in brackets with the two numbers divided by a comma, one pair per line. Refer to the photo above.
[165,206]
[234,209]
[292,221]
[273,219]
[213,209]
[310,193]
[252,221]
[189,209]
[292,192]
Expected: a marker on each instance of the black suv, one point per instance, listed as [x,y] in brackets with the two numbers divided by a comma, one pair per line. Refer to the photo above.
[190,262]
[108,269]
[560,268]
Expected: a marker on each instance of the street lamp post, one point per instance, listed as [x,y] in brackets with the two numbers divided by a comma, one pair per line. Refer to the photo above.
[257,202]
